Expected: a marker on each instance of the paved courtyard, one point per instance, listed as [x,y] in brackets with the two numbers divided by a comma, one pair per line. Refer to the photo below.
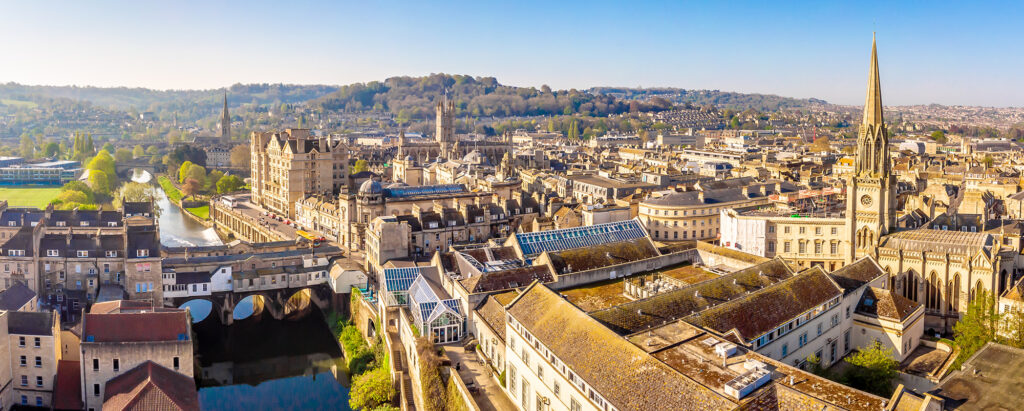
[490,396]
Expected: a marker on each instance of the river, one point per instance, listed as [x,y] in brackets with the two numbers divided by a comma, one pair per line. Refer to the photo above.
[257,362]
[266,364]
[177,230]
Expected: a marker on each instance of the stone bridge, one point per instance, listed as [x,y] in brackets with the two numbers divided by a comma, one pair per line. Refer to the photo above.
[279,303]
[124,170]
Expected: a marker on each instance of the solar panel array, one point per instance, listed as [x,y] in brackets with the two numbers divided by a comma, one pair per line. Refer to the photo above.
[576,237]
[424,190]
[400,279]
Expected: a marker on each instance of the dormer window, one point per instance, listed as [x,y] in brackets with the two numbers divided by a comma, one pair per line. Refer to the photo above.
[451,223]
[112,224]
[16,253]
[85,223]
[83,253]
[52,253]
[111,254]
[432,224]
[12,223]
[61,223]
[142,252]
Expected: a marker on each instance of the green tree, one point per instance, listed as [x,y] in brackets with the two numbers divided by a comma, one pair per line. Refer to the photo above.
[872,369]
[90,148]
[51,149]
[123,155]
[99,182]
[212,179]
[371,389]
[360,166]
[198,173]
[183,171]
[939,136]
[229,183]
[152,150]
[138,151]
[240,156]
[79,187]
[68,200]
[28,147]
[133,192]
[105,163]
[574,132]
[734,123]
[978,326]
[988,160]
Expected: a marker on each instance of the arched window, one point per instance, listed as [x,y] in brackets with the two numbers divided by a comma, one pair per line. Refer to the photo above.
[954,294]
[979,290]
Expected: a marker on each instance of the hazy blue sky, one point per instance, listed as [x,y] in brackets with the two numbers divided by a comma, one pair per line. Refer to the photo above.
[966,53]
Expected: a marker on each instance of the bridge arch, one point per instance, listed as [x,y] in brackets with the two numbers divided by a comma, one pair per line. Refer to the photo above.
[200,309]
[250,306]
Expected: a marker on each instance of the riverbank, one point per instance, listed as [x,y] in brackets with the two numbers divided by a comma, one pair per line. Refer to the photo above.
[368,365]
[200,214]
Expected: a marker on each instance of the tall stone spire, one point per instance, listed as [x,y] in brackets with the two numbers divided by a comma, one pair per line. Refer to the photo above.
[225,121]
[873,103]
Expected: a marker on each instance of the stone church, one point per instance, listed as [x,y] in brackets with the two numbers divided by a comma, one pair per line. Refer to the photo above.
[413,158]
[944,270]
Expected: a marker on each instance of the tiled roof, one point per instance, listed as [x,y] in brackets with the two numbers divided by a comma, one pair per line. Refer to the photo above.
[507,279]
[878,302]
[626,376]
[492,310]
[136,327]
[1016,292]
[67,394]
[119,306]
[761,311]
[150,387]
[602,255]
[652,311]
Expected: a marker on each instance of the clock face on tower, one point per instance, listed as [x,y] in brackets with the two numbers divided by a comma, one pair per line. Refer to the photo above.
[865,200]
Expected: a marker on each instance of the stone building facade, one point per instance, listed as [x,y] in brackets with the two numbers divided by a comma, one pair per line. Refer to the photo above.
[290,165]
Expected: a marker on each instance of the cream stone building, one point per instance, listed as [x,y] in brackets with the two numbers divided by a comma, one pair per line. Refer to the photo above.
[289,165]
[35,345]
[695,215]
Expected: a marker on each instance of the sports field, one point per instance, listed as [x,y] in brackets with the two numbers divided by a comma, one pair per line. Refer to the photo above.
[37,197]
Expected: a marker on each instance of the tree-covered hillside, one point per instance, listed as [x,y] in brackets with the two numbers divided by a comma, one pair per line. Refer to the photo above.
[721,99]
[414,98]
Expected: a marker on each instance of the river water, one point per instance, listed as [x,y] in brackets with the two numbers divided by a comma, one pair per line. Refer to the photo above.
[177,230]
[257,363]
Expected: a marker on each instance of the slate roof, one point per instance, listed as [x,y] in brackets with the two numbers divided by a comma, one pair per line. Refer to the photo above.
[642,314]
[150,387]
[854,275]
[878,302]
[940,241]
[15,297]
[30,323]
[626,376]
[764,310]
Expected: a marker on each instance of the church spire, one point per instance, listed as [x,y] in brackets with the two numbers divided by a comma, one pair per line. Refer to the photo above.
[225,120]
[873,103]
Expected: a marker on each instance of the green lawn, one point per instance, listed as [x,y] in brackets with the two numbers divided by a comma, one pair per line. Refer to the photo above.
[18,103]
[37,197]
[201,212]
[172,192]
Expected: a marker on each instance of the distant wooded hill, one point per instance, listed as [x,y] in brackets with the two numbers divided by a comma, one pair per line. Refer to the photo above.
[721,99]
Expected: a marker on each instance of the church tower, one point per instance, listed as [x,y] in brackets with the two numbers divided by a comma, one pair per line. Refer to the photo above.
[871,190]
[445,132]
[225,121]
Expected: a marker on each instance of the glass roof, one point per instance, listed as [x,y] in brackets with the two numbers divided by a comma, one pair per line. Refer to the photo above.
[576,237]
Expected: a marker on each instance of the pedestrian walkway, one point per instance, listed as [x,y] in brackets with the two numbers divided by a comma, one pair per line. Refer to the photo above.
[490,397]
